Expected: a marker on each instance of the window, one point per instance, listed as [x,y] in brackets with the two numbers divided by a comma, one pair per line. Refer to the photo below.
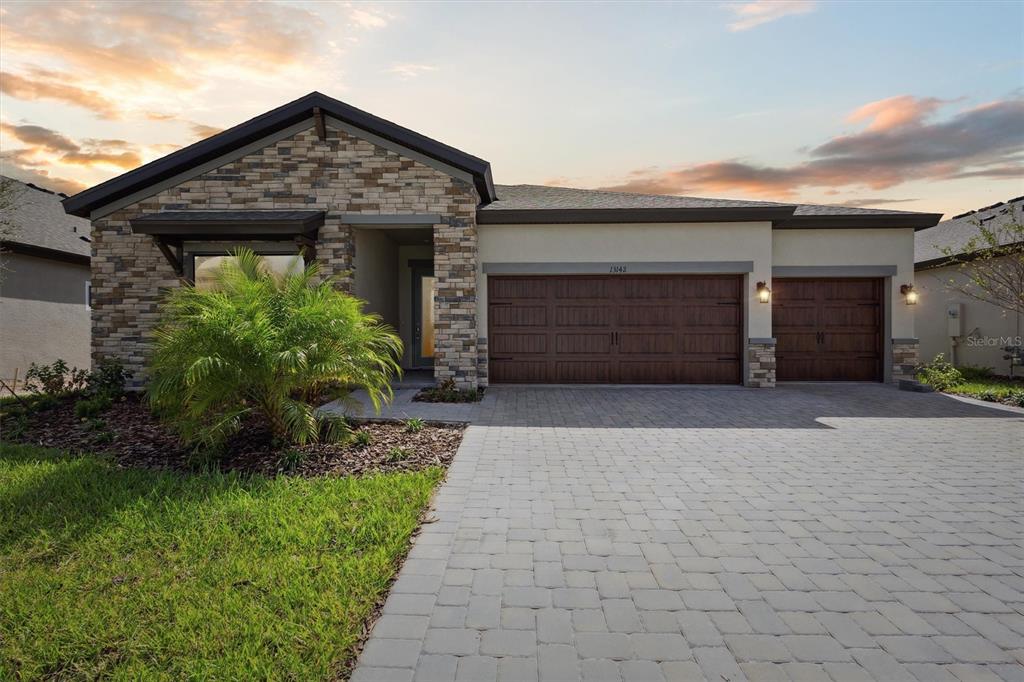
[204,267]
[88,294]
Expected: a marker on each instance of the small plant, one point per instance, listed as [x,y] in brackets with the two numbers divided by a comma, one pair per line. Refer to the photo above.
[103,438]
[413,425]
[16,426]
[87,408]
[399,454]
[989,396]
[363,438]
[939,374]
[290,460]
[1016,398]
[446,392]
[107,379]
[55,379]
[96,424]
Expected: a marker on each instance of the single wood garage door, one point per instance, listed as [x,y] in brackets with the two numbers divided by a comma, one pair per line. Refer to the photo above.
[631,329]
[827,329]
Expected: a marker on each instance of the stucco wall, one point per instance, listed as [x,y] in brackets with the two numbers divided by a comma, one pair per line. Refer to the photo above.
[831,247]
[43,313]
[376,274]
[644,242]
[341,174]
[987,325]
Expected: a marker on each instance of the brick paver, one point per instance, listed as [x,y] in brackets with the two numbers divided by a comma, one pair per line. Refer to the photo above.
[809,532]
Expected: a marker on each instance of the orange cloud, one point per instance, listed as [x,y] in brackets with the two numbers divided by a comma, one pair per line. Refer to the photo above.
[47,85]
[886,114]
[40,178]
[43,142]
[752,14]
[899,144]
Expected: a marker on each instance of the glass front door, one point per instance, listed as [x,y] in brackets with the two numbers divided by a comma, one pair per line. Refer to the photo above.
[424,288]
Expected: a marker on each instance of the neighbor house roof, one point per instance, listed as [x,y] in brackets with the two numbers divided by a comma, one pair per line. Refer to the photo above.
[955,233]
[266,124]
[41,227]
[543,204]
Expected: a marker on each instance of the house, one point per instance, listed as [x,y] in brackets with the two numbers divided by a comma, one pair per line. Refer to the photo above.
[44,281]
[496,283]
[967,331]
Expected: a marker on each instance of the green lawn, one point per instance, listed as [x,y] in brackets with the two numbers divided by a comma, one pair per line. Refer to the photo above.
[138,574]
[996,389]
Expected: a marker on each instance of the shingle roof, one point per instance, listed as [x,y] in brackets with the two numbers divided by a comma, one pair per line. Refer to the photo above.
[39,221]
[542,197]
[530,202]
[956,232]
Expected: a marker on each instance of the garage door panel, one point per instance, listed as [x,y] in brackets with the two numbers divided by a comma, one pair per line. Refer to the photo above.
[583,344]
[519,288]
[518,371]
[581,287]
[794,290]
[645,316]
[617,328]
[863,343]
[851,369]
[590,371]
[795,316]
[519,344]
[582,316]
[631,343]
[519,316]
[797,342]
[788,368]
[860,315]
[850,290]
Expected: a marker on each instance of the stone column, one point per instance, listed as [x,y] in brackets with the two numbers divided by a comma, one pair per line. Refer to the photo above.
[761,363]
[904,359]
[455,329]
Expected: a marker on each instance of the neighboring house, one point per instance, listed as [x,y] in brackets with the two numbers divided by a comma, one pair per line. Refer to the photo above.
[492,283]
[967,331]
[44,283]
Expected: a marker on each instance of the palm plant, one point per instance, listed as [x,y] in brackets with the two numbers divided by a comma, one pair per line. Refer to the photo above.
[258,343]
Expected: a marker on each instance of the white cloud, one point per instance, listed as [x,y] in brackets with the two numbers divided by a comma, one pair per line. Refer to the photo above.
[406,71]
[757,12]
[365,18]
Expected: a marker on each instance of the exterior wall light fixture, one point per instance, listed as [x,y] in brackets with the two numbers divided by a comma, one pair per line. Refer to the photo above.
[909,294]
[764,294]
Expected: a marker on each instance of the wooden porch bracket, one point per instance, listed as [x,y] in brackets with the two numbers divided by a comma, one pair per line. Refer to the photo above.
[307,247]
[173,257]
[321,126]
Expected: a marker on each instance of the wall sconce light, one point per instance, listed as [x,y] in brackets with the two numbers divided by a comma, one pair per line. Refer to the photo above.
[764,294]
[909,294]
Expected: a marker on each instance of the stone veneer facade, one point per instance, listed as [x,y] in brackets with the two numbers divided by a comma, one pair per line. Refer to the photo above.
[341,174]
[904,359]
[761,363]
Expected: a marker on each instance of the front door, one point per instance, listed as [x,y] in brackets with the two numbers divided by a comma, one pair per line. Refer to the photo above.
[424,288]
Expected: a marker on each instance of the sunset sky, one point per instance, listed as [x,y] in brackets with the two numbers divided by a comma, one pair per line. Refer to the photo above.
[916,106]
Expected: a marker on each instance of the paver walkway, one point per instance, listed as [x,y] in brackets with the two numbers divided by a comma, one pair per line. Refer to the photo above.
[810,532]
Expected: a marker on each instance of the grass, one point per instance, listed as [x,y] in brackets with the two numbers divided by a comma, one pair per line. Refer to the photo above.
[140,574]
[996,387]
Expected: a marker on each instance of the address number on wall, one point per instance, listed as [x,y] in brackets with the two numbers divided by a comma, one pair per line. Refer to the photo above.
[617,269]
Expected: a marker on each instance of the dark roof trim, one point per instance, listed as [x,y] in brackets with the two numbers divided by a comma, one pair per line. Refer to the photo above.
[956,259]
[43,252]
[918,221]
[631,215]
[233,224]
[266,124]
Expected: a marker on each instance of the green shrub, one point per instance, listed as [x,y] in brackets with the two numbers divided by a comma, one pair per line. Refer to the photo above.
[264,345]
[1016,398]
[91,407]
[989,396]
[446,392]
[290,459]
[363,438]
[103,438]
[975,373]
[939,374]
[55,379]
[399,454]
[107,379]
[413,425]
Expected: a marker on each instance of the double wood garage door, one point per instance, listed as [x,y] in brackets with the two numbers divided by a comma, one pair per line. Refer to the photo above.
[640,329]
[676,329]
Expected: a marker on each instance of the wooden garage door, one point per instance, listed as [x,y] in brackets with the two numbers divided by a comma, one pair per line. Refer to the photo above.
[634,329]
[827,329]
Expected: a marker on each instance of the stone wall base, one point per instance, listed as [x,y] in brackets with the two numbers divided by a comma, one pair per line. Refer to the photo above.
[904,359]
[760,363]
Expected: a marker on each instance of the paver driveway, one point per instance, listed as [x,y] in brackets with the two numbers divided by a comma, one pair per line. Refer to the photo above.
[810,532]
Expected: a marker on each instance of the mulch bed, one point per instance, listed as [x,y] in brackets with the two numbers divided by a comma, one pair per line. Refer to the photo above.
[133,437]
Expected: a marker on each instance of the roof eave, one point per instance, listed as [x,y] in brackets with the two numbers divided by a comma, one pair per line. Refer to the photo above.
[45,252]
[504,216]
[917,221]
